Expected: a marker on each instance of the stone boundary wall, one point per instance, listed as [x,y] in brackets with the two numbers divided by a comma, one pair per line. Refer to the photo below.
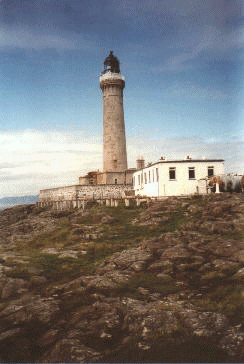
[81,192]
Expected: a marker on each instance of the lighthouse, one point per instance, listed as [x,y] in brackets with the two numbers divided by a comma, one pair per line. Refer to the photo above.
[115,169]
[112,84]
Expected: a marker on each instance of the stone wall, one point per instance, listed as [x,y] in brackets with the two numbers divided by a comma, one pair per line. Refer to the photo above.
[77,192]
[58,194]
[84,180]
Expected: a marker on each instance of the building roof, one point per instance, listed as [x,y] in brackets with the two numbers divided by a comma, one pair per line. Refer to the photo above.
[183,161]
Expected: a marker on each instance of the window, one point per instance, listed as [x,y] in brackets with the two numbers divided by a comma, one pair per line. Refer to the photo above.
[142,178]
[115,181]
[149,177]
[172,173]
[153,174]
[133,181]
[145,177]
[139,179]
[157,174]
[115,164]
[210,171]
[191,171]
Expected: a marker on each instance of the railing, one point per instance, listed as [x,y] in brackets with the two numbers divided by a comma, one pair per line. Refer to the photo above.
[111,75]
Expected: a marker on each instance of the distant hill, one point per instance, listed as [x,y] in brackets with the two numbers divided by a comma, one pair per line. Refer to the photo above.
[6,202]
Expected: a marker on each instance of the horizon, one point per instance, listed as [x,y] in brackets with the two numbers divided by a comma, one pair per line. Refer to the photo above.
[183,69]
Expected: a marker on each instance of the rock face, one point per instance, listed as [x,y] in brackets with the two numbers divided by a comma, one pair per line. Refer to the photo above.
[169,288]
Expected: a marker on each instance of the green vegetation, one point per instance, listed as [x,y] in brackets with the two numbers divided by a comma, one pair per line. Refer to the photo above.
[101,231]
[148,281]
[118,229]
[19,272]
[228,299]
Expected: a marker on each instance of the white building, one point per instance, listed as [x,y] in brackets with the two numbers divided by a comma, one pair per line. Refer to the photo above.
[175,178]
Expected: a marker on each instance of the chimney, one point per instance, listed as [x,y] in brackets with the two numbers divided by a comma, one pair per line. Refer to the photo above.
[188,157]
[140,163]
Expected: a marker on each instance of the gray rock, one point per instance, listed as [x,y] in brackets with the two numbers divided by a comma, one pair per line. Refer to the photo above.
[239,256]
[9,334]
[164,266]
[71,350]
[48,338]
[98,282]
[224,265]
[239,275]
[30,308]
[143,291]
[14,286]
[126,258]
[38,280]
[176,252]
[165,277]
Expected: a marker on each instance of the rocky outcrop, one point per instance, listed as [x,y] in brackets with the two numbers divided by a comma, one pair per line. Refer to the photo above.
[175,295]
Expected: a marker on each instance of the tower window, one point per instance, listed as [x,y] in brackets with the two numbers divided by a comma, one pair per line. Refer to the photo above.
[115,164]
[210,171]
[191,171]
[172,173]
[115,181]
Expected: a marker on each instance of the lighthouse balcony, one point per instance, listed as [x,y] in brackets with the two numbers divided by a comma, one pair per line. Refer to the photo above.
[111,76]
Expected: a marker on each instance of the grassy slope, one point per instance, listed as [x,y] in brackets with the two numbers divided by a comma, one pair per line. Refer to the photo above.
[118,233]
[122,228]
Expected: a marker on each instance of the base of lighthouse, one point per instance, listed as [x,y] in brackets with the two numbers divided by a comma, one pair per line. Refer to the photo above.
[111,178]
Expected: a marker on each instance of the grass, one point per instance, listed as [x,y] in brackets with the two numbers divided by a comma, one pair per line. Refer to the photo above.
[18,272]
[228,299]
[55,268]
[235,235]
[147,281]
[118,233]
[123,229]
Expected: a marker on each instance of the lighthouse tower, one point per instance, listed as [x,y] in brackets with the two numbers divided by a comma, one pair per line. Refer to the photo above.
[115,170]
[112,84]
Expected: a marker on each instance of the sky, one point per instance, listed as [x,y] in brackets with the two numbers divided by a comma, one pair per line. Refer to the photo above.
[183,66]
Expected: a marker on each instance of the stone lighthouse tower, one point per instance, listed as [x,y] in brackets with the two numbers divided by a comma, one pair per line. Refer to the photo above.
[114,144]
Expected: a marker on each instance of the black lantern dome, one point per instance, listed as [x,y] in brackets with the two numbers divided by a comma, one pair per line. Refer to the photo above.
[111,64]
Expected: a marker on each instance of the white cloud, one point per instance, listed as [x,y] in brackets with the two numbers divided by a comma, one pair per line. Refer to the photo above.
[217,43]
[33,160]
[179,89]
[22,37]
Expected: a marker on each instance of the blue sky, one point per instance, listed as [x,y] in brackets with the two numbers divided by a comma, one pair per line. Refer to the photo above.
[183,65]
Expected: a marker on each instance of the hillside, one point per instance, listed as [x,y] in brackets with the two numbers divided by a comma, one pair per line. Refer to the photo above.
[159,282]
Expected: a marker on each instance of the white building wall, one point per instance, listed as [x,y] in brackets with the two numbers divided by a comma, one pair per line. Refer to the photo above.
[181,185]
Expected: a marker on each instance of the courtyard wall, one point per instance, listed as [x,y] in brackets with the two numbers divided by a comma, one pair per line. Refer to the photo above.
[84,192]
